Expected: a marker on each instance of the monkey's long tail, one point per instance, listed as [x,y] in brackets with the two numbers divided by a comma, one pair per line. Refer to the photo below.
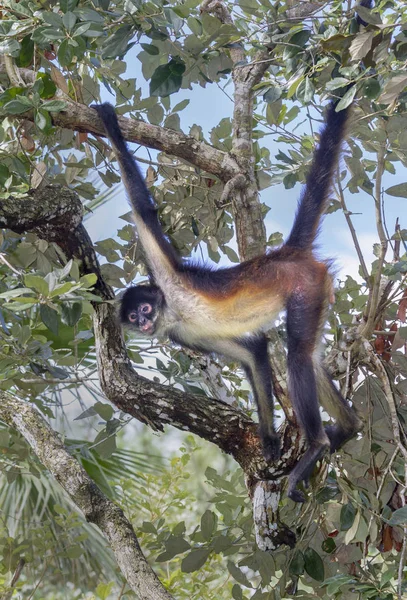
[319,180]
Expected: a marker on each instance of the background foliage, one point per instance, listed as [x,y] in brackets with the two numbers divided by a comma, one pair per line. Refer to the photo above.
[191,511]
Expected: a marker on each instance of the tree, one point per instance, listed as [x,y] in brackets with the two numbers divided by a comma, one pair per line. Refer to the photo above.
[283,60]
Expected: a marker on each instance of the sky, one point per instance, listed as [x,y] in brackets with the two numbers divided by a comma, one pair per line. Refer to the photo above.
[334,240]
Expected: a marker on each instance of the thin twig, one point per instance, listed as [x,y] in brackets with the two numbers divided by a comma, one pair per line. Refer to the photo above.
[402,493]
[4,260]
[375,290]
[352,230]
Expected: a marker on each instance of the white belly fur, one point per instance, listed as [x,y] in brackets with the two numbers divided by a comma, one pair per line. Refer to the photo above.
[198,318]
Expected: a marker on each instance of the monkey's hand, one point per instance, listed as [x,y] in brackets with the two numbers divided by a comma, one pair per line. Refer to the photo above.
[303,470]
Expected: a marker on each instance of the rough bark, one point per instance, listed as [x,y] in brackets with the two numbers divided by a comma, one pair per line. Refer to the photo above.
[86,495]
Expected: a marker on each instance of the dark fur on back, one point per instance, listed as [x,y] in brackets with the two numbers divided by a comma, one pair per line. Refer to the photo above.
[319,180]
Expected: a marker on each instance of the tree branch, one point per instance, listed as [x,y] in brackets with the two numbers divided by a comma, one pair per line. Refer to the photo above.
[250,230]
[85,494]
[79,117]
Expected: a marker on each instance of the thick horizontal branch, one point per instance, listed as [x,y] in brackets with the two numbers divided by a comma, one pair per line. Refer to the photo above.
[79,117]
[85,494]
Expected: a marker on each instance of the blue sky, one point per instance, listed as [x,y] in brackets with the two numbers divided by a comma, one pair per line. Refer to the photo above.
[207,106]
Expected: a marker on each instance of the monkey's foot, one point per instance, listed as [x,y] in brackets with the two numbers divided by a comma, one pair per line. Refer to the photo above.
[303,470]
[271,447]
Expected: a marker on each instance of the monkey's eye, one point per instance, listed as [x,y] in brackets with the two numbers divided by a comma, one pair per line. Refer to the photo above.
[132,316]
[146,308]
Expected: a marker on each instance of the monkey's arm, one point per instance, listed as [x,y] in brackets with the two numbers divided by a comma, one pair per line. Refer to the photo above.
[161,257]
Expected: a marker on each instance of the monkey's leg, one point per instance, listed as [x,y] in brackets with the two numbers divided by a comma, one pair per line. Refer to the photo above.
[303,325]
[259,374]
[347,421]
[252,353]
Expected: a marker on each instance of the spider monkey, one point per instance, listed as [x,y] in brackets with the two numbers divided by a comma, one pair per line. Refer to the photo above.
[226,311]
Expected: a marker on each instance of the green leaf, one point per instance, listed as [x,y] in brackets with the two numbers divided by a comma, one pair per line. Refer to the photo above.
[238,575]
[89,412]
[210,24]
[306,90]
[208,524]
[71,313]
[74,551]
[328,545]
[195,560]
[10,46]
[103,590]
[361,45]
[48,86]
[103,410]
[148,527]
[335,583]
[348,513]
[118,43]
[399,517]
[273,112]
[105,444]
[54,105]
[399,190]
[367,15]
[174,545]
[300,38]
[237,593]
[313,564]
[347,99]
[88,280]
[68,5]
[69,20]
[66,52]
[15,293]
[392,89]
[337,83]
[18,106]
[272,94]
[25,58]
[43,121]
[181,105]
[297,564]
[37,283]
[49,317]
[52,18]
[150,49]
[167,79]
[371,88]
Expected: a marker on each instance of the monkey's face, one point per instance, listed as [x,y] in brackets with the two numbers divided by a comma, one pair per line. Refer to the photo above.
[141,307]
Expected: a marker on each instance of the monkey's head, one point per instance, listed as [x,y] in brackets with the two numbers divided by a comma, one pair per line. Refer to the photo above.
[140,308]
